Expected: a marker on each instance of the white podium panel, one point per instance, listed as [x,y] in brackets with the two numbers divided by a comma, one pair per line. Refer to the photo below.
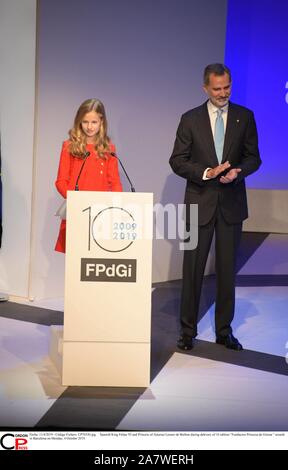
[107,312]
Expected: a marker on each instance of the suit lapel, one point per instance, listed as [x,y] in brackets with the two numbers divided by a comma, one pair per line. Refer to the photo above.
[231,126]
[207,135]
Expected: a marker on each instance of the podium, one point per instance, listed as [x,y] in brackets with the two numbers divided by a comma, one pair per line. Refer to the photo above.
[107,308]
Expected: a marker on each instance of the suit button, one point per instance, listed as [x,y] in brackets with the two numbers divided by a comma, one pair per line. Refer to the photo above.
[101,172]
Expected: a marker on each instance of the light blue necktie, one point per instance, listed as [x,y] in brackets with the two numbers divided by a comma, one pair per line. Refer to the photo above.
[219,135]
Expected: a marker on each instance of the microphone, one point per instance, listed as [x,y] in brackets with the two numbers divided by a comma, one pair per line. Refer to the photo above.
[131,185]
[86,155]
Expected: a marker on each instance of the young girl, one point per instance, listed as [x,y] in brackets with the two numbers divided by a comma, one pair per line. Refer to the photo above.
[87,153]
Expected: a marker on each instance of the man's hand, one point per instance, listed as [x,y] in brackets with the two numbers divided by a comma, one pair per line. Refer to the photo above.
[230,176]
[214,172]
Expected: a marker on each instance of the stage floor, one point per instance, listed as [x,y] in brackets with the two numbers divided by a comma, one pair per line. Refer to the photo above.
[207,389]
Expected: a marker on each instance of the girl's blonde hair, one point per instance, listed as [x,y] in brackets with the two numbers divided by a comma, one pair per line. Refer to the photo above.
[78,139]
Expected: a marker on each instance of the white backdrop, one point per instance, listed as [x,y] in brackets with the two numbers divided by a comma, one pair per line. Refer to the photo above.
[144,60]
[17,96]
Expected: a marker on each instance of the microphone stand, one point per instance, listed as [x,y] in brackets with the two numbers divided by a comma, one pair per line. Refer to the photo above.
[131,185]
[85,158]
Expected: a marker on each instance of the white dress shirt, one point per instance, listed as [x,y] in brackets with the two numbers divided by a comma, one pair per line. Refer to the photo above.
[212,111]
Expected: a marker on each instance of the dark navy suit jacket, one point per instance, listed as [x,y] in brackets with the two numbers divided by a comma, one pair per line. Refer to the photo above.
[194,151]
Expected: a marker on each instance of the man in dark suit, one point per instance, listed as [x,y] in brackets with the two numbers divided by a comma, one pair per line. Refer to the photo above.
[216,147]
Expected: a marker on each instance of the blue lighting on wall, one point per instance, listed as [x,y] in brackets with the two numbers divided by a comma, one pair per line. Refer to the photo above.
[257,53]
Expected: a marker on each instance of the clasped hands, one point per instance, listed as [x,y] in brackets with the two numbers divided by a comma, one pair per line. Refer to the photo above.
[230,176]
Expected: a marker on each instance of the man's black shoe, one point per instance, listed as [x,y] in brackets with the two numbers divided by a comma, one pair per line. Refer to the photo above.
[230,342]
[185,343]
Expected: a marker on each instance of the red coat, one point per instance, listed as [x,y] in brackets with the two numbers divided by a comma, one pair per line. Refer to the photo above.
[97,175]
